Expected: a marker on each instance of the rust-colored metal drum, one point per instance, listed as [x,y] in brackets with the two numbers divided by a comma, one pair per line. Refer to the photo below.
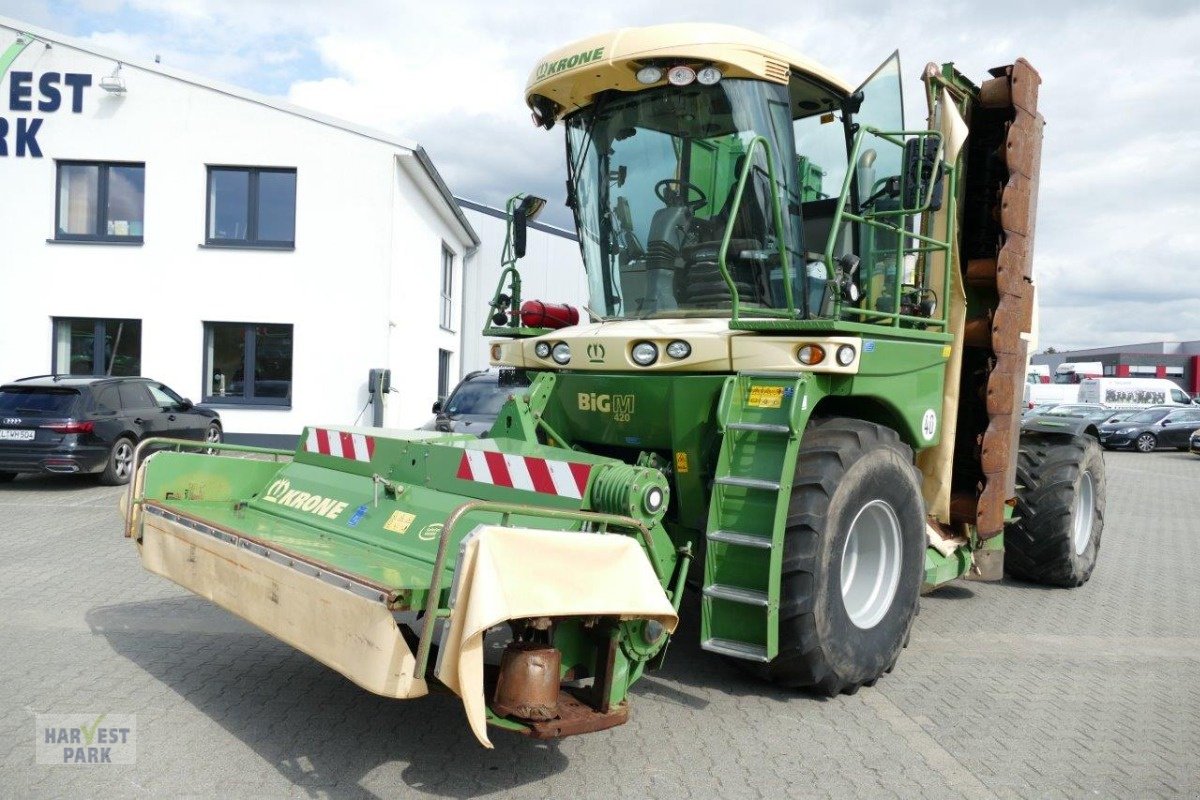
[528,684]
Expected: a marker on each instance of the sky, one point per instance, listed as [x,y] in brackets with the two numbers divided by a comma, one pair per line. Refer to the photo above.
[1117,257]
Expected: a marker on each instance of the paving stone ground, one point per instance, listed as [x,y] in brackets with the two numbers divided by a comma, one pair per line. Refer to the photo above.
[1006,690]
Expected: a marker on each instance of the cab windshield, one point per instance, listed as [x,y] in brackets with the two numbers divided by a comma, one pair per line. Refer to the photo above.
[654,179]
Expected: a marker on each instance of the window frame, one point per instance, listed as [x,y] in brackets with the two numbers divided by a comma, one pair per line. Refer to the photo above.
[446,309]
[250,348]
[251,242]
[444,388]
[101,234]
[99,336]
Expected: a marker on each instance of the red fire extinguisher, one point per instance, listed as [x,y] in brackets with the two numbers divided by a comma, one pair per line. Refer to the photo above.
[536,314]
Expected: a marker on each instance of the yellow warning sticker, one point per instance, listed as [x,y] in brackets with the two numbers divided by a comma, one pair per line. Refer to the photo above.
[765,397]
[399,521]
[945,351]
[681,464]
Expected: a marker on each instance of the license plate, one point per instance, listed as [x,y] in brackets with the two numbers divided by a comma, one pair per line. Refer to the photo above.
[17,435]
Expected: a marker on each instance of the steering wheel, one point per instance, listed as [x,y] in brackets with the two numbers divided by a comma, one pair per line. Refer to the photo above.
[674,192]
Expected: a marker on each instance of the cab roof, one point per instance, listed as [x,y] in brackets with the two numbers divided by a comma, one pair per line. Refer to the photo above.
[572,76]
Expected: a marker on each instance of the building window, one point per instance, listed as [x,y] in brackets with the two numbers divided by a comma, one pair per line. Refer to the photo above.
[447,287]
[247,364]
[251,207]
[443,390]
[97,346]
[100,202]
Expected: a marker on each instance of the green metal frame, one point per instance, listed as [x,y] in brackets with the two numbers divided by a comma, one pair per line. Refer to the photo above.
[508,260]
[788,319]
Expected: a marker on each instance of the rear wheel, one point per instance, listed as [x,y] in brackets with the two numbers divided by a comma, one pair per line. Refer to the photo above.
[1060,511]
[6,477]
[120,463]
[853,558]
[1146,443]
[213,434]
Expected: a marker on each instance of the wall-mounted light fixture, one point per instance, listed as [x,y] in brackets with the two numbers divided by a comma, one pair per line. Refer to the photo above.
[113,84]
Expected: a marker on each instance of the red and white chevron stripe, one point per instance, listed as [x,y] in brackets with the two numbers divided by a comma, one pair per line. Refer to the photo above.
[342,444]
[562,478]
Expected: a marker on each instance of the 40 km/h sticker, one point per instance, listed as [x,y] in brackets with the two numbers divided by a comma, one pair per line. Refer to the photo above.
[765,397]
[929,424]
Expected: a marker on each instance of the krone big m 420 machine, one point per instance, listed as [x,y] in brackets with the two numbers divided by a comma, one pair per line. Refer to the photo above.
[798,392]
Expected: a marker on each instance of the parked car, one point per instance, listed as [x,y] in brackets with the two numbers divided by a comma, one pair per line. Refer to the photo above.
[475,403]
[72,424]
[1096,413]
[1194,443]
[1151,428]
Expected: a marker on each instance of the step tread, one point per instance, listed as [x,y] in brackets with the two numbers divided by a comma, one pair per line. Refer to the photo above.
[743,539]
[735,649]
[748,483]
[758,427]
[736,594]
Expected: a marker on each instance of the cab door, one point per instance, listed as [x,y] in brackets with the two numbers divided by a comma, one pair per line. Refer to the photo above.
[879,162]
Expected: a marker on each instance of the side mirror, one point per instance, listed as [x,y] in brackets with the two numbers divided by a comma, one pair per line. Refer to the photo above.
[921,168]
[437,406]
[523,214]
[187,405]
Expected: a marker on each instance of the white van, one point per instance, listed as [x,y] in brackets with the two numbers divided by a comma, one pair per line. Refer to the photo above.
[1132,392]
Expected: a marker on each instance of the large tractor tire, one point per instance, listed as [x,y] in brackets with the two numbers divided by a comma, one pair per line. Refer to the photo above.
[853,558]
[1060,510]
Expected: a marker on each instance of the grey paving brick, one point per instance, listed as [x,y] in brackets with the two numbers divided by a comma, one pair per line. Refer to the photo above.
[1006,690]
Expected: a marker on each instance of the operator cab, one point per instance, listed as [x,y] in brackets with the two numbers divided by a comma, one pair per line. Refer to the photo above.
[699,153]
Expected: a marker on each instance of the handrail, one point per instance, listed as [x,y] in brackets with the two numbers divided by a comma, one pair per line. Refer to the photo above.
[780,232]
[877,220]
[180,445]
[506,510]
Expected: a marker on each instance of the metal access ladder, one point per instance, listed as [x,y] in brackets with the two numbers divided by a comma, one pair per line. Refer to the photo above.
[759,417]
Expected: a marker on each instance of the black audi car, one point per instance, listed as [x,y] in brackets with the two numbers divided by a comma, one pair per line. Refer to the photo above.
[72,424]
[1151,428]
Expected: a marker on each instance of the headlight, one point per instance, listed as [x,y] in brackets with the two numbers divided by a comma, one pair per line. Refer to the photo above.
[1126,430]
[681,75]
[708,76]
[561,353]
[650,74]
[644,353]
[679,349]
[810,354]
[542,349]
[845,355]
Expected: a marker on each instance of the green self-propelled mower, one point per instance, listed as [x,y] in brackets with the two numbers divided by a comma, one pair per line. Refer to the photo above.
[801,370]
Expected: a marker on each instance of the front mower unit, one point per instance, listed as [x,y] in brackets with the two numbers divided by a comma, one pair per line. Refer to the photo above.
[346,551]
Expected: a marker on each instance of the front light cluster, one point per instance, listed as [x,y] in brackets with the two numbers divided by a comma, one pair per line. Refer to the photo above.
[646,353]
[811,355]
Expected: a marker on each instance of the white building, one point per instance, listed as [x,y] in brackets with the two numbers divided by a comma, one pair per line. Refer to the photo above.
[255,256]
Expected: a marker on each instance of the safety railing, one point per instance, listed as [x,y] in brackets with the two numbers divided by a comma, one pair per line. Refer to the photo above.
[891,222]
[132,496]
[894,222]
[433,610]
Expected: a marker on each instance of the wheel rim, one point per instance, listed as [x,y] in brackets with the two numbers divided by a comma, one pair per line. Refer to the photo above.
[871,561]
[1145,442]
[123,460]
[1083,512]
[214,435]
